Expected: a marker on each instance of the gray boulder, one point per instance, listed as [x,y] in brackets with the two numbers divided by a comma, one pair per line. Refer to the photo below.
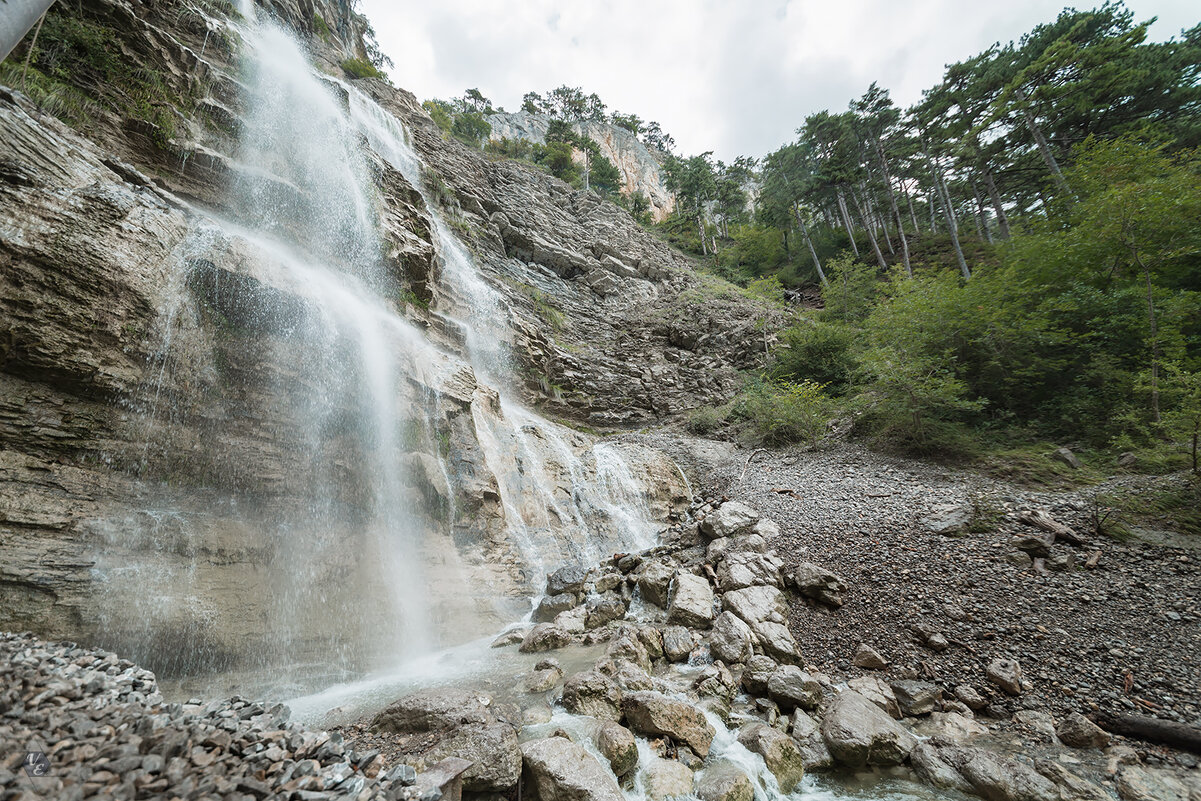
[551,605]
[492,750]
[778,750]
[1006,674]
[594,694]
[618,745]
[732,641]
[748,569]
[859,733]
[1079,732]
[691,602]
[556,769]
[724,781]
[878,692]
[545,637]
[569,579]
[759,670]
[665,778]
[677,643]
[655,714]
[868,658]
[604,609]
[654,582]
[916,697]
[792,687]
[433,709]
[818,583]
[729,519]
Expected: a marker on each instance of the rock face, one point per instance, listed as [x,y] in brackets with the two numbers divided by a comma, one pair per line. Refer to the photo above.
[652,713]
[556,769]
[858,733]
[691,602]
[778,750]
[641,172]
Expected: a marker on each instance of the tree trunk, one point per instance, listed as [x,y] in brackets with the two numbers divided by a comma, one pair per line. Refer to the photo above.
[983,215]
[930,206]
[1153,730]
[871,234]
[937,174]
[995,197]
[700,228]
[892,201]
[846,221]
[1043,147]
[796,210]
[1154,337]
[917,229]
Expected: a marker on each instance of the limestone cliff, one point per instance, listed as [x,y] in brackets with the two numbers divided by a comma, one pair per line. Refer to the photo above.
[160,485]
[641,171]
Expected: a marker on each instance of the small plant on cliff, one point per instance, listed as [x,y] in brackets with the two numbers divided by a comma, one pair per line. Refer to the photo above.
[361,68]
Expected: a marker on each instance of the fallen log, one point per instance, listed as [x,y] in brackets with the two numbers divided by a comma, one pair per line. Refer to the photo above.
[1153,730]
[1042,520]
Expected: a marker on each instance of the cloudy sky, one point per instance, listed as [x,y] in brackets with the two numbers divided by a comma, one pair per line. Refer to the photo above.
[732,76]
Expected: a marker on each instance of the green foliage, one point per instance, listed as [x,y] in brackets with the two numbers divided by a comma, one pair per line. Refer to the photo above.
[357,68]
[853,290]
[470,128]
[321,27]
[706,419]
[441,112]
[784,412]
[817,351]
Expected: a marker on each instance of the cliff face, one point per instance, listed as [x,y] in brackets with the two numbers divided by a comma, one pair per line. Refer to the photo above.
[641,172]
[184,472]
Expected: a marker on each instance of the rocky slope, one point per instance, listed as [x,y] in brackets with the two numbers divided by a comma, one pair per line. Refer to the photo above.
[641,172]
[147,445]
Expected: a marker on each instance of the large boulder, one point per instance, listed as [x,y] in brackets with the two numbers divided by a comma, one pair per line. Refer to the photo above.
[492,750]
[594,694]
[545,637]
[819,584]
[758,672]
[552,605]
[556,769]
[618,745]
[878,692]
[604,609]
[732,641]
[1006,674]
[859,733]
[433,709]
[791,687]
[999,779]
[1079,732]
[757,604]
[778,750]
[728,519]
[569,579]
[748,569]
[665,778]
[724,781]
[654,582]
[677,643]
[691,602]
[916,697]
[777,641]
[656,714]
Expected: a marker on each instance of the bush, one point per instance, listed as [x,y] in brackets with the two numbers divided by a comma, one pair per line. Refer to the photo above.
[360,68]
[822,352]
[784,412]
[705,420]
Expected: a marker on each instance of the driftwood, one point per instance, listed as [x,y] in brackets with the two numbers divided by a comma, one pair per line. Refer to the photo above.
[1043,521]
[748,461]
[1153,730]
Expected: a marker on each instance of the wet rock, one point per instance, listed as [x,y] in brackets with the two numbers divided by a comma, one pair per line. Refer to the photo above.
[778,750]
[995,777]
[545,637]
[970,697]
[807,733]
[1136,783]
[594,694]
[628,675]
[433,709]
[930,767]
[791,687]
[618,745]
[729,519]
[626,644]
[724,781]
[556,769]
[1079,732]
[666,778]
[951,727]
[604,609]
[543,679]
[916,697]
[652,639]
[677,643]
[569,579]
[716,680]
[691,602]
[757,604]
[511,637]
[731,640]
[655,714]
[1006,674]
[868,658]
[492,751]
[573,620]
[551,605]
[819,584]
[759,670]
[1071,786]
[748,569]
[859,733]
[654,582]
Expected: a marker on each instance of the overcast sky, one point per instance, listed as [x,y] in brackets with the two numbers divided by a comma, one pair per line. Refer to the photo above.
[732,76]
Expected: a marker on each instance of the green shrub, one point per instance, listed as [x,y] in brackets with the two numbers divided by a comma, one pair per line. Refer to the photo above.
[361,68]
[783,412]
[705,420]
[822,352]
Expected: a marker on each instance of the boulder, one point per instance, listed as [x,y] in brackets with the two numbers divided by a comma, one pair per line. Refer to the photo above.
[748,569]
[677,643]
[807,733]
[594,694]
[551,605]
[652,639]
[878,692]
[970,697]
[665,778]
[999,779]
[556,769]
[618,745]
[778,750]
[930,767]
[792,687]
[757,604]
[732,641]
[728,519]
[868,658]
[492,751]
[691,602]
[569,579]
[859,733]
[724,781]
[949,519]
[545,637]
[759,670]
[1065,456]
[777,641]
[819,584]
[1006,674]
[655,714]
[950,727]
[1079,732]
[654,582]
[434,709]
[916,698]
[604,609]
[1135,783]
[716,681]
[542,679]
